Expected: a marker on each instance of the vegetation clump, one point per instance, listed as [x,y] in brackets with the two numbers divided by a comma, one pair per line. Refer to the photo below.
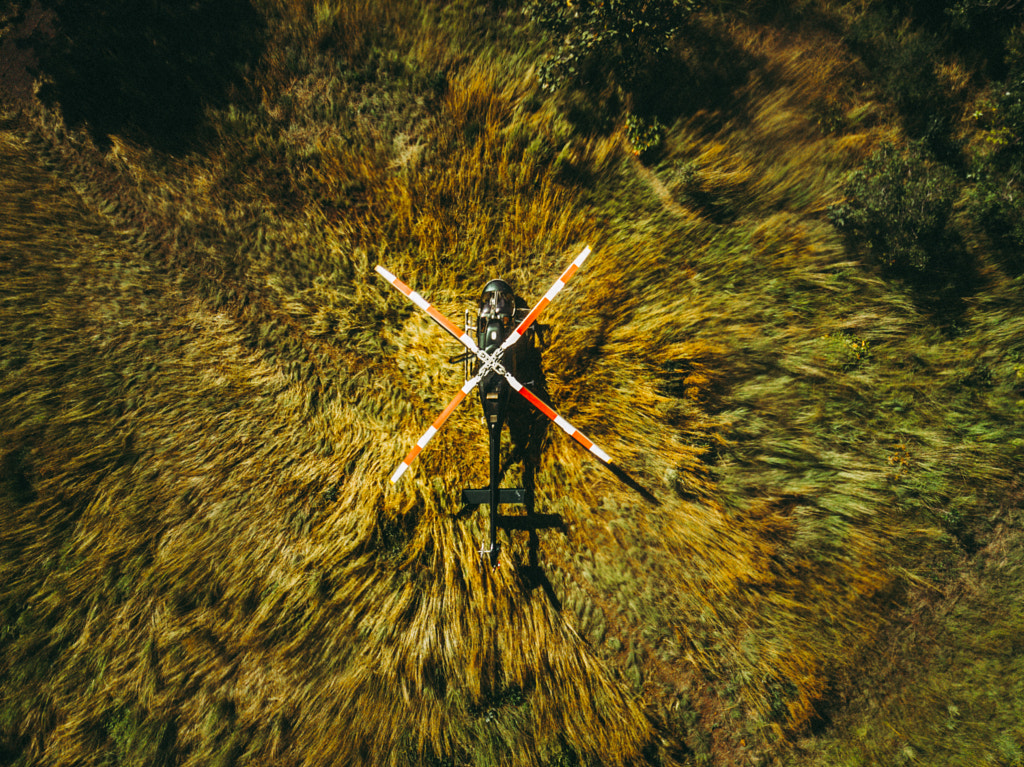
[643,135]
[601,44]
[998,162]
[900,205]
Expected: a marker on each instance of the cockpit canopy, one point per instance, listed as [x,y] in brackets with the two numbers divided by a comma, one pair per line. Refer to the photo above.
[497,301]
[497,311]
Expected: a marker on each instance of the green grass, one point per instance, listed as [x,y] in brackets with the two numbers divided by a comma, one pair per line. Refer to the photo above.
[205,388]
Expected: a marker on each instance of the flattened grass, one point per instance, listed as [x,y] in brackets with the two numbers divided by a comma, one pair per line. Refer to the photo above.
[207,388]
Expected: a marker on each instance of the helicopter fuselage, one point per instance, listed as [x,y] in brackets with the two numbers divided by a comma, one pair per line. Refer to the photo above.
[495,320]
[501,355]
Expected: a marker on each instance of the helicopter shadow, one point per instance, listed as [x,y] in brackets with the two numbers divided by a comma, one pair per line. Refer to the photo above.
[527,430]
[528,440]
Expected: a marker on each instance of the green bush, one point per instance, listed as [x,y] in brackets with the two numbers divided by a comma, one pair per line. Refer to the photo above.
[899,205]
[602,43]
[995,204]
[971,14]
[903,60]
[995,199]
[644,135]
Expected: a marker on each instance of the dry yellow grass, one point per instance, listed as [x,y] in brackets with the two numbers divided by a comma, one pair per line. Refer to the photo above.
[210,389]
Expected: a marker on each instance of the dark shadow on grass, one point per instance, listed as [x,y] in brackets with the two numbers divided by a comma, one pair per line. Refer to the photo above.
[527,430]
[624,477]
[902,62]
[943,289]
[707,75]
[703,74]
[147,71]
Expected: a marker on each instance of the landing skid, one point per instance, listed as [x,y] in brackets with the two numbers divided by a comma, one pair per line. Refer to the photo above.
[473,498]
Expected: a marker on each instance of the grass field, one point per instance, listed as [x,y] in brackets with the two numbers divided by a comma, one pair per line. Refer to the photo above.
[815,555]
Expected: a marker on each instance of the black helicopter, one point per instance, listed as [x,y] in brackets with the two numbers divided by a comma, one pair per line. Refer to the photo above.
[494,372]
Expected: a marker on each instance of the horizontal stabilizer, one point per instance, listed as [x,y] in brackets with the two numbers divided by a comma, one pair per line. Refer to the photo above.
[483,496]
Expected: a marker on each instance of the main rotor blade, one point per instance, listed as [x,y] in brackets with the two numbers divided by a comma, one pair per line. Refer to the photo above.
[553,291]
[435,427]
[564,425]
[460,335]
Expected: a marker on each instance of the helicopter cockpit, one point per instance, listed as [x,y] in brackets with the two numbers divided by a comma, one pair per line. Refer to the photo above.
[497,313]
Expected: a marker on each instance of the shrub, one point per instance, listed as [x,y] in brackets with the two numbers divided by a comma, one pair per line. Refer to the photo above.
[644,135]
[995,203]
[995,199]
[604,43]
[903,59]
[899,206]
[972,14]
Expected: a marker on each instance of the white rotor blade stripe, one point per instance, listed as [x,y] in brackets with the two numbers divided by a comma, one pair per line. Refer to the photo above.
[553,291]
[460,335]
[435,427]
[564,425]
[491,362]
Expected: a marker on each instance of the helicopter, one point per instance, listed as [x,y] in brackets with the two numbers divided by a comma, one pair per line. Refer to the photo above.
[497,352]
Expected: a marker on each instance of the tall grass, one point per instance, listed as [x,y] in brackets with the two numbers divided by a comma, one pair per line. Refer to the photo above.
[206,389]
